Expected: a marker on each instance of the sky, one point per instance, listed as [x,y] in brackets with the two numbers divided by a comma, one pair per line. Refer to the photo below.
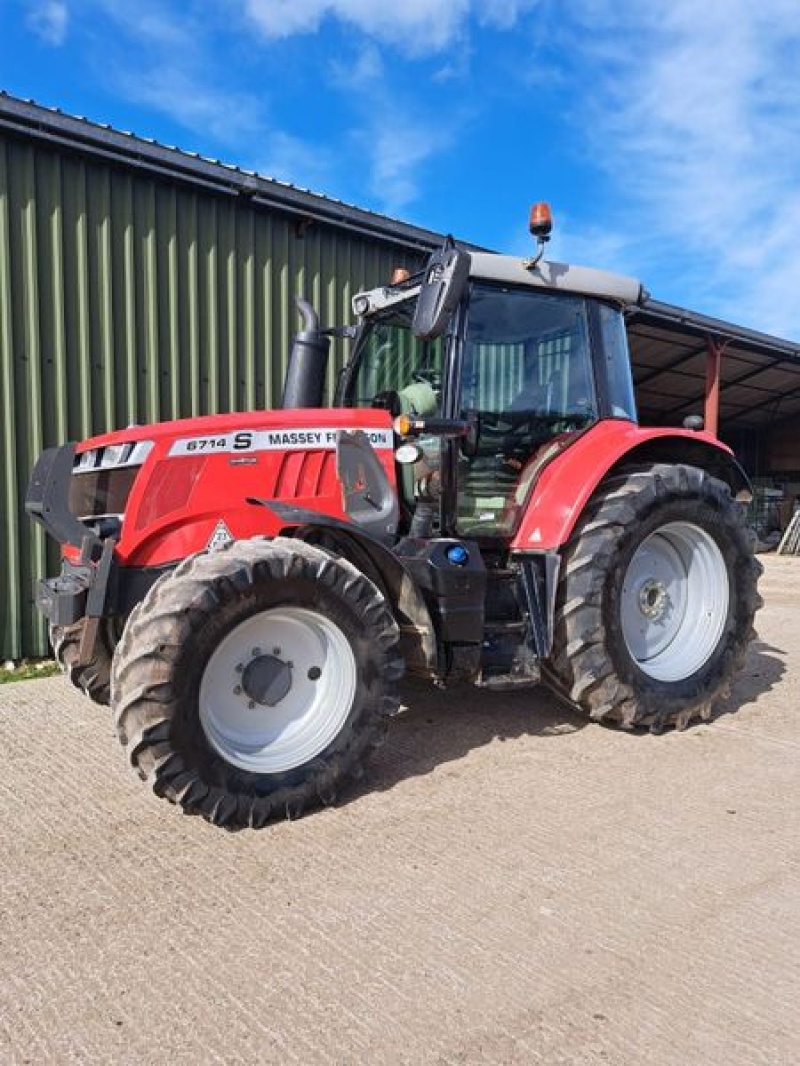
[666,136]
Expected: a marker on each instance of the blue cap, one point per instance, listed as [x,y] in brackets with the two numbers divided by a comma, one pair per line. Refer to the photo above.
[458,555]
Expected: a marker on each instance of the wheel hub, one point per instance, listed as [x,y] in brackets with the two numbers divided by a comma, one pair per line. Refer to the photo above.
[653,599]
[674,601]
[277,689]
[267,679]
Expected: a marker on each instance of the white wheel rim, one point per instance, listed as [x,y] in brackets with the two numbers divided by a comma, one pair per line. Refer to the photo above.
[675,598]
[301,648]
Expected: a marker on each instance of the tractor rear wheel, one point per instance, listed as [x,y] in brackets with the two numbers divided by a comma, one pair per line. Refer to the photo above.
[252,681]
[92,678]
[656,599]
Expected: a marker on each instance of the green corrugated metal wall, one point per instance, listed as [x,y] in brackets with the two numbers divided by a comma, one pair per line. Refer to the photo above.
[130,299]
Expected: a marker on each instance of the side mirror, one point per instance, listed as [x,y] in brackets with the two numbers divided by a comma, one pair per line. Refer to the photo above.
[443,283]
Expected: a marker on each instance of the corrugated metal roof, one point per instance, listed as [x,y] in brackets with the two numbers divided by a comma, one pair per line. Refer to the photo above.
[31,120]
[760,373]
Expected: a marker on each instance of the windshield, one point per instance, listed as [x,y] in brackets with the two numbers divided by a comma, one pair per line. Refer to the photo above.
[394,369]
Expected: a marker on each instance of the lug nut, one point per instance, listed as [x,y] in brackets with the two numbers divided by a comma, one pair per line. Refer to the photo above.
[276,651]
[238,690]
[314,673]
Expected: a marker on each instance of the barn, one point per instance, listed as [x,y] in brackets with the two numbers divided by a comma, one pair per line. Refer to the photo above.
[139,283]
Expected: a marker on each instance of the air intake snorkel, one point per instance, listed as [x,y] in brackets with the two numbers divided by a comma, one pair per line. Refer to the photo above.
[308,362]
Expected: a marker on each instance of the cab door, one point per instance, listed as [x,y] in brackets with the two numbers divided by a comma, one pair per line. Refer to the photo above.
[526,378]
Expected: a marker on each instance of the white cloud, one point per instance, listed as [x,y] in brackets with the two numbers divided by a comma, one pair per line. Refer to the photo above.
[49,20]
[387,146]
[294,160]
[503,15]
[154,24]
[160,58]
[419,26]
[398,148]
[594,245]
[228,117]
[693,114]
[389,131]
[364,72]
[392,137]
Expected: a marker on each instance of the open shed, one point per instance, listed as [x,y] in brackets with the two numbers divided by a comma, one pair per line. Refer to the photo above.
[759,397]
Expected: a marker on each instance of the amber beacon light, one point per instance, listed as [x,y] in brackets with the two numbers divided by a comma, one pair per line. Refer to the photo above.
[541,221]
[540,225]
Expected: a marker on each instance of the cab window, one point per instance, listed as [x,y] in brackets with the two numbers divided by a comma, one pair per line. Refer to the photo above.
[396,370]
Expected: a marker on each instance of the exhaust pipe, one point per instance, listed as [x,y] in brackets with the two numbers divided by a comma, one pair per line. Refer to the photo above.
[308,362]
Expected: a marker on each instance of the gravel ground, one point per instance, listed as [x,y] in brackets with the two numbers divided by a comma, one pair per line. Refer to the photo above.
[507,885]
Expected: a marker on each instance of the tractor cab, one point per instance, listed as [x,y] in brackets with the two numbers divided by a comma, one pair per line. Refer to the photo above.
[491,366]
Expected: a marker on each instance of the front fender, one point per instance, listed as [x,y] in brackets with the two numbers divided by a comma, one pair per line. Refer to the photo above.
[559,494]
[179,536]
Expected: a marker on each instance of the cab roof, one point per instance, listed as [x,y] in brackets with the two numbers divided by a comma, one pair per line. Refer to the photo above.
[561,277]
[512,270]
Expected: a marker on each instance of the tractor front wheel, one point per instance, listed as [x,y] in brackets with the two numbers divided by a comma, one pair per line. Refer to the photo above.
[656,599]
[252,681]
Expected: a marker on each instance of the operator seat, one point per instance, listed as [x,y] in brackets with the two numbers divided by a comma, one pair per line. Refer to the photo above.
[536,395]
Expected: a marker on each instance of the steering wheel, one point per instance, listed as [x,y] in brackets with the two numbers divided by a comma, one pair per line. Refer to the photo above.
[388,400]
[513,434]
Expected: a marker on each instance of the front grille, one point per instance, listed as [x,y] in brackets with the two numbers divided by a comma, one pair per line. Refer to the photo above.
[101,492]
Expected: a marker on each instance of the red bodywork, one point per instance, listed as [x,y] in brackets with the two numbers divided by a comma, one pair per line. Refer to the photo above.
[563,488]
[202,470]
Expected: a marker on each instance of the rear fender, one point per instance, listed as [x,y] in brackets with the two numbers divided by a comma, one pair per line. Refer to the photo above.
[558,496]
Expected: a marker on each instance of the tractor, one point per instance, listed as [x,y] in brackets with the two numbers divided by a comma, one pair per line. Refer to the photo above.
[479,506]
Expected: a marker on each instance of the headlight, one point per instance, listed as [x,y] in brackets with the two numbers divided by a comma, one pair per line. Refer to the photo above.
[113,456]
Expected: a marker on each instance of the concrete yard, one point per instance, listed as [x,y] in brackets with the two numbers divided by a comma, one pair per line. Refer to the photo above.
[507,885]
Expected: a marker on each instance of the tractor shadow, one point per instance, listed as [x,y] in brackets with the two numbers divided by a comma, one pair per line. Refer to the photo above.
[763,670]
[440,727]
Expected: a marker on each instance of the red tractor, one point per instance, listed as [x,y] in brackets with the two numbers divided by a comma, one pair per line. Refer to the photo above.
[479,505]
